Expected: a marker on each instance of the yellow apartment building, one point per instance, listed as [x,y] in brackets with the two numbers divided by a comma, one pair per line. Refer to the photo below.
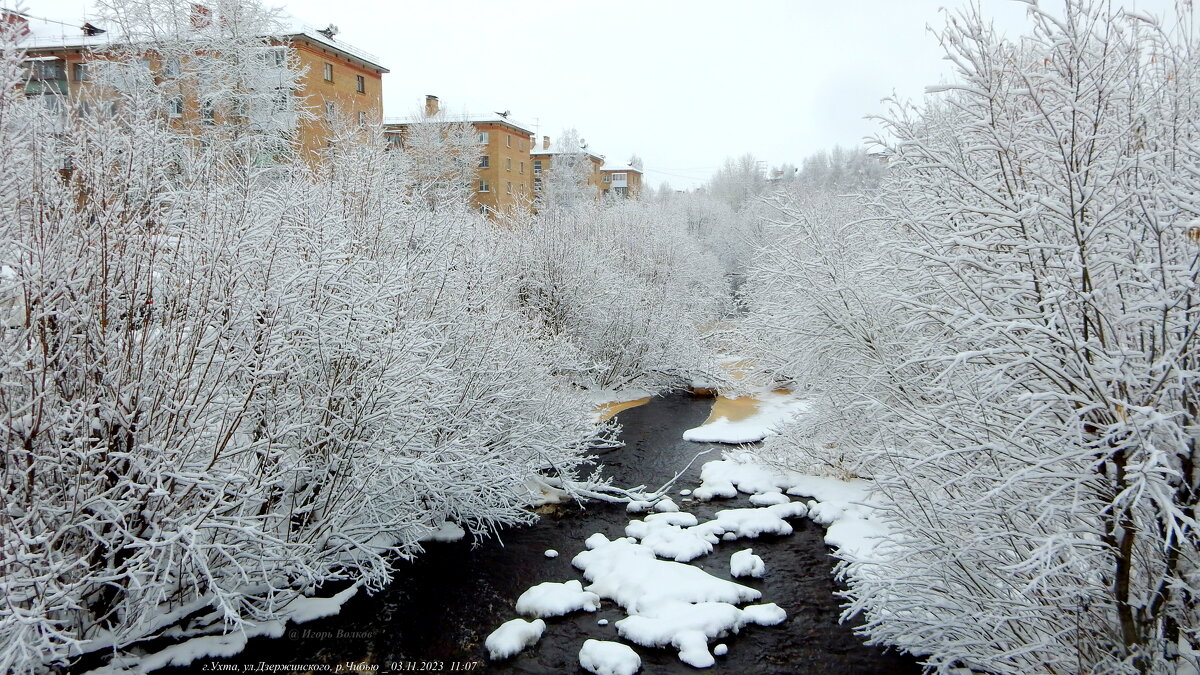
[504,177]
[543,156]
[621,181]
[337,80]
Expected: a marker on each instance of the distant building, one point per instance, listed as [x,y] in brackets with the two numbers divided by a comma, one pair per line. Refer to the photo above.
[543,162]
[504,178]
[338,80]
[621,181]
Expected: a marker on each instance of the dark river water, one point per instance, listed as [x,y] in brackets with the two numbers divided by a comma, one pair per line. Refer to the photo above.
[439,609]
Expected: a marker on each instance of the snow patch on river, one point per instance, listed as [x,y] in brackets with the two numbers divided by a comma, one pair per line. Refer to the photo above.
[747,419]
[672,604]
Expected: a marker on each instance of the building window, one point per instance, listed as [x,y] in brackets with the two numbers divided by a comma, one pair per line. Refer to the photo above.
[46,77]
[360,84]
[483,162]
[483,186]
[509,189]
[508,139]
[362,119]
[619,176]
[171,68]
[282,100]
[207,115]
[81,72]
[608,178]
[483,137]
[537,166]
[329,72]
[508,163]
[522,167]
[330,110]
[276,57]
[175,107]
[537,183]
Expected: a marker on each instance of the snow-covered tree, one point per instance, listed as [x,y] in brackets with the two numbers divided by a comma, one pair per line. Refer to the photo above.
[226,381]
[622,291]
[738,181]
[565,183]
[1014,337]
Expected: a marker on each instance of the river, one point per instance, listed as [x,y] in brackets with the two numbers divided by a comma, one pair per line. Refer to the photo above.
[440,607]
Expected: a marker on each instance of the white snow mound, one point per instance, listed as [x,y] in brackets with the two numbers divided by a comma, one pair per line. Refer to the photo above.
[746,564]
[753,522]
[554,599]
[512,637]
[689,626]
[769,499]
[667,539]
[603,657]
[630,575]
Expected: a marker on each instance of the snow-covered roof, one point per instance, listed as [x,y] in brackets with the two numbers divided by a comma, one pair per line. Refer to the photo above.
[626,168]
[294,29]
[556,149]
[53,34]
[49,33]
[494,118]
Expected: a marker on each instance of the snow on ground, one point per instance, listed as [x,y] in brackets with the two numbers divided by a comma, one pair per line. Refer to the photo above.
[746,564]
[725,478]
[554,599]
[747,420]
[603,657]
[299,610]
[608,402]
[512,637]
[447,531]
[551,553]
[843,506]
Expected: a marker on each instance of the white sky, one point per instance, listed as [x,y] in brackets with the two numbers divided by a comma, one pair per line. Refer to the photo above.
[682,83]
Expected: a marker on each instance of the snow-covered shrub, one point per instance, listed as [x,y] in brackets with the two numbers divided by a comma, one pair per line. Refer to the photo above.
[821,320]
[1015,343]
[227,379]
[620,289]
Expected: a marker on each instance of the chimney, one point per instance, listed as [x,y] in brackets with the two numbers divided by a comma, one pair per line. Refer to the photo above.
[545,142]
[431,105]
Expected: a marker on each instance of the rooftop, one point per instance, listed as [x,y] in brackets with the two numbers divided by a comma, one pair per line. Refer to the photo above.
[609,166]
[54,34]
[556,149]
[493,118]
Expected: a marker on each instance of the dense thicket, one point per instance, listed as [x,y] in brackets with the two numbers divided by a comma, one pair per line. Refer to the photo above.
[1005,343]
[227,378]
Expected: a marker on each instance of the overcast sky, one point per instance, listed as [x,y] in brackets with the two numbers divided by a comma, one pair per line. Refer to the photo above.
[682,83]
